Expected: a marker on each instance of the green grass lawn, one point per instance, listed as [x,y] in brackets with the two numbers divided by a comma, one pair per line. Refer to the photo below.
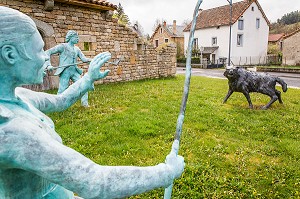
[230,151]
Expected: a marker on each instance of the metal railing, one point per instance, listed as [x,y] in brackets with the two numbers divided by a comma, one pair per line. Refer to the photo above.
[257,60]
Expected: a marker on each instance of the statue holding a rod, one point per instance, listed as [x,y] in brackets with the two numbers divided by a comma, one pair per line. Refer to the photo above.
[68,69]
[34,164]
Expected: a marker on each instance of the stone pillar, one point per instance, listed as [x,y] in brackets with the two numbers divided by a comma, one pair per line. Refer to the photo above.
[49,5]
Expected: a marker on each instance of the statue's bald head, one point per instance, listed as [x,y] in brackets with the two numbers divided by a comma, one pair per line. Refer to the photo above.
[15,28]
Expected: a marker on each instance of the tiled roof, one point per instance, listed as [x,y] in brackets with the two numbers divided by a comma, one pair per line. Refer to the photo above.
[275,37]
[135,28]
[101,4]
[220,16]
[169,30]
[179,30]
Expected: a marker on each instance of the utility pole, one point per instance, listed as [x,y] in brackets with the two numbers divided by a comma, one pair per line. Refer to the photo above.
[201,58]
[230,26]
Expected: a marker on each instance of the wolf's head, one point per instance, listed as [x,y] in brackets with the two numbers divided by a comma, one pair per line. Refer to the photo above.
[232,74]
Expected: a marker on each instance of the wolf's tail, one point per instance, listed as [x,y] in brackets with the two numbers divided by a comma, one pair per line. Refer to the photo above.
[282,83]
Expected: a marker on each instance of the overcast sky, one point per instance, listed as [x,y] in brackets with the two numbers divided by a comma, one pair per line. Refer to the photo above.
[147,11]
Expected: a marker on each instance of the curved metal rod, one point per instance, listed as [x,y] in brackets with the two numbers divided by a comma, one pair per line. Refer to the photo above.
[116,62]
[168,190]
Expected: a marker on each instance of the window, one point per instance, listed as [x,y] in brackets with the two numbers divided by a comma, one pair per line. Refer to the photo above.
[87,46]
[257,23]
[161,30]
[214,41]
[241,24]
[252,8]
[166,40]
[156,43]
[195,43]
[239,40]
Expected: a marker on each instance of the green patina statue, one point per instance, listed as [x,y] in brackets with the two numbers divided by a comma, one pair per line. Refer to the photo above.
[34,163]
[68,69]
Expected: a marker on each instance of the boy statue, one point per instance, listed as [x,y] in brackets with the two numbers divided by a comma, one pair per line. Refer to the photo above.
[34,164]
[68,69]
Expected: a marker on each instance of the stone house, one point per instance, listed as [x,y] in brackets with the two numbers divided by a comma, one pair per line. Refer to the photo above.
[249,33]
[98,32]
[276,39]
[165,33]
[291,49]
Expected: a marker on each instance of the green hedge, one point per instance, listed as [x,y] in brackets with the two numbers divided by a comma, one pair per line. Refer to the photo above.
[195,60]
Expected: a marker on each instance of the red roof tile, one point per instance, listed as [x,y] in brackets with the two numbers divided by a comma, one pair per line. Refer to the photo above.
[275,37]
[101,2]
[89,3]
[220,16]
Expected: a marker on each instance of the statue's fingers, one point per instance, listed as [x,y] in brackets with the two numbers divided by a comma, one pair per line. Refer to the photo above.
[102,61]
[98,57]
[101,56]
[105,73]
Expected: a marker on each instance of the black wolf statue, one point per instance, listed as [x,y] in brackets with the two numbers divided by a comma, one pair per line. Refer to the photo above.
[241,80]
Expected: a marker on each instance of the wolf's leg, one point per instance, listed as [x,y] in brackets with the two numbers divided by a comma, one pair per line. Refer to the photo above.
[273,99]
[248,99]
[278,93]
[227,96]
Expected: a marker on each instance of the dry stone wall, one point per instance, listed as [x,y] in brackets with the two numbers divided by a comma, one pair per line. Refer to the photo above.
[291,50]
[96,27]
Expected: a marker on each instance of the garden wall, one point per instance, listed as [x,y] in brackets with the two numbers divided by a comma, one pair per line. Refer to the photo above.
[98,33]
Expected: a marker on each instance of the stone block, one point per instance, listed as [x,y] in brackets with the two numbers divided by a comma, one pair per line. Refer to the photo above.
[26,9]
[49,5]
[74,18]
[39,14]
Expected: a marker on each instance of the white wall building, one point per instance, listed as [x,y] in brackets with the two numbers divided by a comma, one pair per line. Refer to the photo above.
[249,37]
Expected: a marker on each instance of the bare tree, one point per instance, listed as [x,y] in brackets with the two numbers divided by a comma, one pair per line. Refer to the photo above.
[157,22]
[186,22]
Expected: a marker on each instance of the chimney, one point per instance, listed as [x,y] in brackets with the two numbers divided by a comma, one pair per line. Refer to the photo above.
[174,27]
[165,24]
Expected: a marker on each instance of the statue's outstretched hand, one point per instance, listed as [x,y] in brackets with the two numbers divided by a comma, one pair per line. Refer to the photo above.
[175,162]
[95,65]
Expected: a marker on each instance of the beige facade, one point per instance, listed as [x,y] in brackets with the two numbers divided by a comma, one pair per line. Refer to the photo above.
[164,34]
[98,33]
[161,36]
[291,49]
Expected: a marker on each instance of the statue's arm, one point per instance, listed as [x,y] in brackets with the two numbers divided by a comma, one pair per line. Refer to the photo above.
[29,147]
[48,103]
[82,56]
[52,103]
[54,50]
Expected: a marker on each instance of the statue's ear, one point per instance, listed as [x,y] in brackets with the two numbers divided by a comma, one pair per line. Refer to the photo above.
[9,54]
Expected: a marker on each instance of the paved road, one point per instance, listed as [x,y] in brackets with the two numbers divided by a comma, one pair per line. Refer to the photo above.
[292,79]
